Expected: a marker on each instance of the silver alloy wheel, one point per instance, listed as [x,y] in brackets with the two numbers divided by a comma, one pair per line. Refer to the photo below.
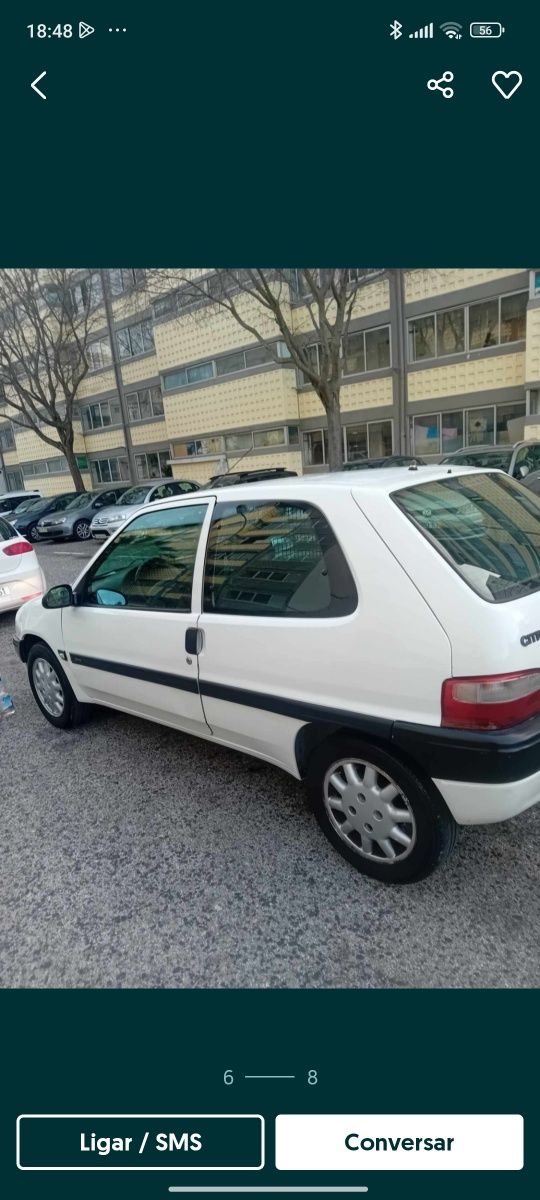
[82,530]
[369,811]
[48,687]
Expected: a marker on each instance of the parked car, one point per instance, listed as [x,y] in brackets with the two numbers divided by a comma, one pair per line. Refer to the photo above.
[10,500]
[231,477]
[517,460]
[532,481]
[108,520]
[376,636]
[391,460]
[75,520]
[27,522]
[21,577]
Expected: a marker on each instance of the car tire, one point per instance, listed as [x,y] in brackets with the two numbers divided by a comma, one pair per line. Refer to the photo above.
[32,534]
[47,681]
[81,530]
[346,781]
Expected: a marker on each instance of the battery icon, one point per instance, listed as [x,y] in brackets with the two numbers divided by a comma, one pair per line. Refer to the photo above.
[486,29]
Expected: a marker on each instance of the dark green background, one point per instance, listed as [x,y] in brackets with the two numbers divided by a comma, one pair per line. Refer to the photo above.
[375,1051]
[239,133]
[235,134]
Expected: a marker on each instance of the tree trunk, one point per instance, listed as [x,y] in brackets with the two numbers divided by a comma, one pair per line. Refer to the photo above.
[335,433]
[74,468]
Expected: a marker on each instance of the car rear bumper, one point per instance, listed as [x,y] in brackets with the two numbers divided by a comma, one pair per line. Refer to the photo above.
[21,590]
[484,776]
[486,803]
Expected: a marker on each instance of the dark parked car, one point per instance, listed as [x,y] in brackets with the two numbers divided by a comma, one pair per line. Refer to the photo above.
[249,476]
[75,520]
[518,460]
[27,521]
[391,460]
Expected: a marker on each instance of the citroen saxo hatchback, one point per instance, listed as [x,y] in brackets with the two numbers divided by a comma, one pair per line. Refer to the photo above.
[377,635]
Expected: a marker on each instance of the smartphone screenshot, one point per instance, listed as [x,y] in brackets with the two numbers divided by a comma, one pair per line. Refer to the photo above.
[269,601]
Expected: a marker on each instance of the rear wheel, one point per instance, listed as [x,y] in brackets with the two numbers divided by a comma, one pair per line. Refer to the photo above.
[81,530]
[377,813]
[51,689]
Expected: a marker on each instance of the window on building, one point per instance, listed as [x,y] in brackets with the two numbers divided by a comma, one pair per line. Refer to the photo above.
[154,464]
[46,466]
[356,443]
[150,564]
[145,404]
[14,479]
[269,437]
[198,446]
[109,470]
[313,357]
[228,364]
[315,447]
[101,414]
[239,441]
[355,358]
[99,353]
[379,439]
[469,327]
[377,348]
[200,371]
[123,279]
[371,439]
[299,284]
[275,559]
[466,427]
[7,440]
[135,339]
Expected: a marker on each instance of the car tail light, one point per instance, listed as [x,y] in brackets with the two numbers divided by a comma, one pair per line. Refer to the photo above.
[490,701]
[17,548]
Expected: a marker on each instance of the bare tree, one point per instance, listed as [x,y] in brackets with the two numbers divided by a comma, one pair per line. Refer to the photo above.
[263,303]
[46,322]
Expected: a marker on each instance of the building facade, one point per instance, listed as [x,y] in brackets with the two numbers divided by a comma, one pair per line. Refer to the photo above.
[436,359]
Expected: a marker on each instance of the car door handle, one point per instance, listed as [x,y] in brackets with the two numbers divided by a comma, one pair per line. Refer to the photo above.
[194,640]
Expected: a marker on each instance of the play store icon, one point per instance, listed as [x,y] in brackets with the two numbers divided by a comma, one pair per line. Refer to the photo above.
[85,30]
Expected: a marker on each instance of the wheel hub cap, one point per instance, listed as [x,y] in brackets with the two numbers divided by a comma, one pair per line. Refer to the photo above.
[369,811]
[48,687]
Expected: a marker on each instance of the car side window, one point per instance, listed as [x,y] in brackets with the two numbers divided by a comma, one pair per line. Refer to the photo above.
[162,492]
[104,499]
[150,563]
[275,559]
[528,456]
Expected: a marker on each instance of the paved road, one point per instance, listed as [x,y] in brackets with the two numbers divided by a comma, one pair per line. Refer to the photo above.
[135,856]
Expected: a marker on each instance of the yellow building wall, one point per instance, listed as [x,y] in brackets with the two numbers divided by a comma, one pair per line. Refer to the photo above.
[372,298]
[209,331]
[423,284]
[478,375]
[251,400]
[106,439]
[95,383]
[201,472]
[369,393]
[532,351]
[145,435]
[11,458]
[135,369]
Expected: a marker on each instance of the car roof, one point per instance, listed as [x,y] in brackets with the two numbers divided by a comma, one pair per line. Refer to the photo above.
[380,480]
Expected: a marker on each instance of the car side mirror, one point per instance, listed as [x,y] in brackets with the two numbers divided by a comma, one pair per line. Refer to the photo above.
[61,596]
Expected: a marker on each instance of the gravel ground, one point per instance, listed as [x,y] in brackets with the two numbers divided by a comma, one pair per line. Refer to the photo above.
[132,855]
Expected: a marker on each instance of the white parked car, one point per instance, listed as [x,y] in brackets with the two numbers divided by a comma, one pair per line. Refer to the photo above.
[375,633]
[21,577]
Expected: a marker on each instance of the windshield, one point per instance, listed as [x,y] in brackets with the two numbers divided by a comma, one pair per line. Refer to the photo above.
[134,495]
[80,501]
[486,526]
[31,504]
[495,459]
[26,504]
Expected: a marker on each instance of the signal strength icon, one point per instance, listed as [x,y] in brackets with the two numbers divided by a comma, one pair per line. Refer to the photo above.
[426,31]
[452,29]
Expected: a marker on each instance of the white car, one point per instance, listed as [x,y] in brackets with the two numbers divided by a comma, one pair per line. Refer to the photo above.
[375,633]
[21,577]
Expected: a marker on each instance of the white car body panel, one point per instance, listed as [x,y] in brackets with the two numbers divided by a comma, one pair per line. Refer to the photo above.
[417,623]
[21,577]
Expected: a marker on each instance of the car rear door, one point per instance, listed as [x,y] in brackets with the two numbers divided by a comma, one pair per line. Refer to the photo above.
[126,637]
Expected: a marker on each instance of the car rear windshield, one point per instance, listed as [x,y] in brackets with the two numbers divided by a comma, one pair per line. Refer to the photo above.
[486,526]
[495,459]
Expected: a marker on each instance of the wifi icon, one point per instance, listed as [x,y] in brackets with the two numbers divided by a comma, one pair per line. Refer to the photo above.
[452,29]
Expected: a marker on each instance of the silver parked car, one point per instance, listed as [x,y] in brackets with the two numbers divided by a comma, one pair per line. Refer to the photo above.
[109,519]
[76,519]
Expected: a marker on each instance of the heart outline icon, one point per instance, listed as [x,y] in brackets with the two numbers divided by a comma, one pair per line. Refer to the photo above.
[507,75]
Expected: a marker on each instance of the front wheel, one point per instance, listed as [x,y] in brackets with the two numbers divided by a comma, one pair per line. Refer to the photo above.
[52,690]
[377,813]
[33,534]
[81,530]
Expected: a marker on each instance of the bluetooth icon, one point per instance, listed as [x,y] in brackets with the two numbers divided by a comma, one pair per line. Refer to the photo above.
[395,30]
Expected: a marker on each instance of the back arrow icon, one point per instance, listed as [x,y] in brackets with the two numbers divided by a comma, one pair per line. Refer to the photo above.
[36,89]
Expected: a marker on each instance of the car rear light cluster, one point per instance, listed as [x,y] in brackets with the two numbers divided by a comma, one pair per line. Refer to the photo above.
[490,701]
[17,548]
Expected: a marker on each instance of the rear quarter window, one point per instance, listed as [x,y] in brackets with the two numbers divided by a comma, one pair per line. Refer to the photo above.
[486,526]
[281,559]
